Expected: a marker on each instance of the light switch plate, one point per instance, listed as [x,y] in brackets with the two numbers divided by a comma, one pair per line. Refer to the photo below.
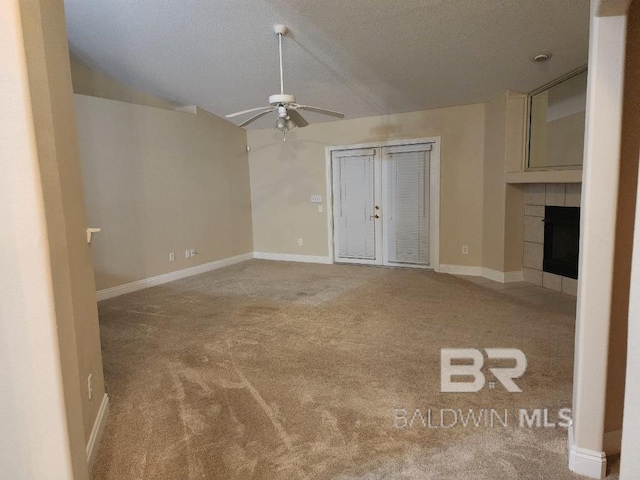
[316,198]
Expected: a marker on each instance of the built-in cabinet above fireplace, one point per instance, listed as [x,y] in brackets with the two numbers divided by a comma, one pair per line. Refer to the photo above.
[562,231]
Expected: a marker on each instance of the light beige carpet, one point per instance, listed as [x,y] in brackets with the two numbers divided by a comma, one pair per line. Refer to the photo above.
[271,370]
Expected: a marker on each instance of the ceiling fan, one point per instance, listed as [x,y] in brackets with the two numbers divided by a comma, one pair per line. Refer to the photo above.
[283,103]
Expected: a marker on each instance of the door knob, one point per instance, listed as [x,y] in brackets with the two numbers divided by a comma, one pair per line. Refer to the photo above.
[375,216]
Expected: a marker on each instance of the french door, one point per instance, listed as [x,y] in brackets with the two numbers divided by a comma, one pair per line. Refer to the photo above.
[357,192]
[382,205]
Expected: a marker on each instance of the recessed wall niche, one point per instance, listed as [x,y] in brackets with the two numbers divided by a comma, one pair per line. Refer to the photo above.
[556,123]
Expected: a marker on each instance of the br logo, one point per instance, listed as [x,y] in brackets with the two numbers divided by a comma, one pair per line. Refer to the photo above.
[468,363]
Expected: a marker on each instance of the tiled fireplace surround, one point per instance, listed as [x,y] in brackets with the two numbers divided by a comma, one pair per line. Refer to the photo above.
[536,197]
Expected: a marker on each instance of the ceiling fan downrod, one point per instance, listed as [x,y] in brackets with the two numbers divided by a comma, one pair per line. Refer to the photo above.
[280,31]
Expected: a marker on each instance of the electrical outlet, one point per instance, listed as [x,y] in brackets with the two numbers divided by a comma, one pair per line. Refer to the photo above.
[172,257]
[90,385]
[465,250]
[187,253]
[320,208]
[193,252]
[300,242]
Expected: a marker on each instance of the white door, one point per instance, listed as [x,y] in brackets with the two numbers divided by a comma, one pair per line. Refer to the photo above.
[406,184]
[385,205]
[356,213]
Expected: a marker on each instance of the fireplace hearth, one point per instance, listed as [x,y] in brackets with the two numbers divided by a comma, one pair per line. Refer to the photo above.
[561,240]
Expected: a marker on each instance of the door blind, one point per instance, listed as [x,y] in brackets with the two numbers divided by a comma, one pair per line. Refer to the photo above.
[408,207]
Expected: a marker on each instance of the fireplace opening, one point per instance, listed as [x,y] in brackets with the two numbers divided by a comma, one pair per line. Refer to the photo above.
[561,240]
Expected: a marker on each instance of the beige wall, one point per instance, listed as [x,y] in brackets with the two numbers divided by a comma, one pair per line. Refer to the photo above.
[514,194]
[88,81]
[77,269]
[285,174]
[159,181]
[565,141]
[624,225]
[630,460]
[503,209]
[49,320]
[599,204]
[538,140]
[494,205]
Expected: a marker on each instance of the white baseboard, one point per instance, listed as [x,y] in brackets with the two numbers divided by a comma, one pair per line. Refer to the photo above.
[502,277]
[612,442]
[461,270]
[288,257]
[585,462]
[495,275]
[170,277]
[510,277]
[97,431]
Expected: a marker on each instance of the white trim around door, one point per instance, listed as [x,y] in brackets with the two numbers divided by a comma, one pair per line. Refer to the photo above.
[434,193]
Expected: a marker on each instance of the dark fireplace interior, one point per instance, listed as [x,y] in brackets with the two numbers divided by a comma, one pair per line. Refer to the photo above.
[561,240]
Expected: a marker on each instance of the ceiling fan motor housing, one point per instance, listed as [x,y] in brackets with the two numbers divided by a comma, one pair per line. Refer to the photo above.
[281,98]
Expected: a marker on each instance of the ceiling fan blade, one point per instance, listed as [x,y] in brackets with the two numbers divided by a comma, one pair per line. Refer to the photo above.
[231,115]
[323,111]
[297,118]
[255,117]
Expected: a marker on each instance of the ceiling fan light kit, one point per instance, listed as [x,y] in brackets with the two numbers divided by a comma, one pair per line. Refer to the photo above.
[283,103]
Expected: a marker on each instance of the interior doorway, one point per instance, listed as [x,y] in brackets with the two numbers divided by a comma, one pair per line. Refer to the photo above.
[385,204]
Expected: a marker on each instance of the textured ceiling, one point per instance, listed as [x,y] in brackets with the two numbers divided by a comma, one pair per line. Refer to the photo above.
[362,57]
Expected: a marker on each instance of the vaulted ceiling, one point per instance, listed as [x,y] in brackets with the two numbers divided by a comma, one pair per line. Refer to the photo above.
[362,57]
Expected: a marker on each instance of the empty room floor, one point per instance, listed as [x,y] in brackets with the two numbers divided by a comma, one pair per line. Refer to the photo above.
[277,370]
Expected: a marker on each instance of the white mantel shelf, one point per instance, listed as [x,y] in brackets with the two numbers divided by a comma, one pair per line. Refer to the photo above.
[546,176]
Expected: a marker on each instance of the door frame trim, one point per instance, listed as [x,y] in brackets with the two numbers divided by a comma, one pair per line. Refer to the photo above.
[434,197]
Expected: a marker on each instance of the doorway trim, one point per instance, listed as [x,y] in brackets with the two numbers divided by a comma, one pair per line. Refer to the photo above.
[434,192]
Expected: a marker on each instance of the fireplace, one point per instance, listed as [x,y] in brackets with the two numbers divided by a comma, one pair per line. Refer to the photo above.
[561,240]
